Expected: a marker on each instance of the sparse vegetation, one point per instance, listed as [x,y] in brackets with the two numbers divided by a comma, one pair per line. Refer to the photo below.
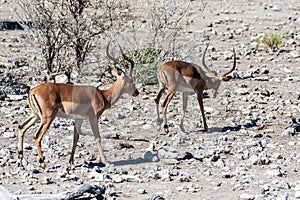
[70,34]
[68,31]
[270,41]
[146,58]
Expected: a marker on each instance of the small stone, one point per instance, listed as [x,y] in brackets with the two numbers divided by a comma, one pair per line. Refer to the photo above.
[62,78]
[242,91]
[254,159]
[290,42]
[276,8]
[275,172]
[15,97]
[226,174]
[214,158]
[141,191]
[209,25]
[289,132]
[246,196]
[262,78]
[119,116]
[117,179]
[148,156]
[47,180]
[147,127]
[166,153]
[9,135]
[219,163]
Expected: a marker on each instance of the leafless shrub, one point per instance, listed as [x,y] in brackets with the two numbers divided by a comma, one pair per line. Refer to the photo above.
[160,31]
[68,31]
[71,33]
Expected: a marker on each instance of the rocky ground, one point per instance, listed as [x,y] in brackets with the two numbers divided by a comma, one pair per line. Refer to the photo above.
[251,150]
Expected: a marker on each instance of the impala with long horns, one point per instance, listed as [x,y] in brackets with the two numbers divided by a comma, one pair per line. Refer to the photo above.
[50,100]
[187,77]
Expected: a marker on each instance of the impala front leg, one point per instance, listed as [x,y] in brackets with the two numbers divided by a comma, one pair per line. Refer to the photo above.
[200,101]
[95,129]
[184,107]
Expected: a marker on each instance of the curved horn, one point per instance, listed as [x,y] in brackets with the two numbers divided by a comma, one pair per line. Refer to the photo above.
[109,56]
[128,59]
[203,59]
[234,63]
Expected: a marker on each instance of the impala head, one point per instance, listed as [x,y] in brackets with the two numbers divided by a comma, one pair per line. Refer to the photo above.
[123,78]
[215,80]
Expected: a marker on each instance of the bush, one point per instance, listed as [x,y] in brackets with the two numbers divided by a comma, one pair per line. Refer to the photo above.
[270,41]
[145,60]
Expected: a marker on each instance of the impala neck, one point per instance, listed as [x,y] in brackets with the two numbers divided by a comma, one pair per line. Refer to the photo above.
[113,93]
[211,80]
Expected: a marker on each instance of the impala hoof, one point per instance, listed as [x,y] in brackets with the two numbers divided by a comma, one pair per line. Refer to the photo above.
[206,129]
[166,128]
[20,156]
[71,162]
[106,164]
[43,165]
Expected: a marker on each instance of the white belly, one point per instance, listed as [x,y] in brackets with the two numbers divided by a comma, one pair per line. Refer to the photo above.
[184,89]
[62,114]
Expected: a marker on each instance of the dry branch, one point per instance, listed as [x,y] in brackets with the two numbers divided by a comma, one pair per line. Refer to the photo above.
[80,191]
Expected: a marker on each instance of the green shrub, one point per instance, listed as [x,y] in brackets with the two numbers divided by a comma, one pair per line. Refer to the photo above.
[141,56]
[145,60]
[272,40]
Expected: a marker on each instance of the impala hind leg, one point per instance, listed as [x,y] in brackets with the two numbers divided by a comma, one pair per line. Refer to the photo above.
[200,101]
[165,107]
[38,136]
[95,129]
[77,131]
[184,107]
[156,100]
[22,128]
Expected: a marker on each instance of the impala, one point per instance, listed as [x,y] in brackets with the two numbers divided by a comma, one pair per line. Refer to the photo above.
[187,77]
[50,100]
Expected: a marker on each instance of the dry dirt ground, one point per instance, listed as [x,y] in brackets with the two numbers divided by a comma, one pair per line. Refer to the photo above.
[248,152]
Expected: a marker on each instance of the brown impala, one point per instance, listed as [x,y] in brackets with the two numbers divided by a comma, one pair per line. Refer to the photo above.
[50,100]
[186,77]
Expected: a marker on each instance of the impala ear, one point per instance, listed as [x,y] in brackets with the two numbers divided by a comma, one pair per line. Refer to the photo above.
[226,78]
[116,72]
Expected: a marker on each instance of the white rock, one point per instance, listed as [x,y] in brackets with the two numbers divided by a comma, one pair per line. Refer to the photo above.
[147,126]
[62,78]
[119,116]
[254,159]
[99,176]
[275,172]
[289,131]
[9,135]
[246,196]
[117,179]
[276,8]
[141,191]
[15,97]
